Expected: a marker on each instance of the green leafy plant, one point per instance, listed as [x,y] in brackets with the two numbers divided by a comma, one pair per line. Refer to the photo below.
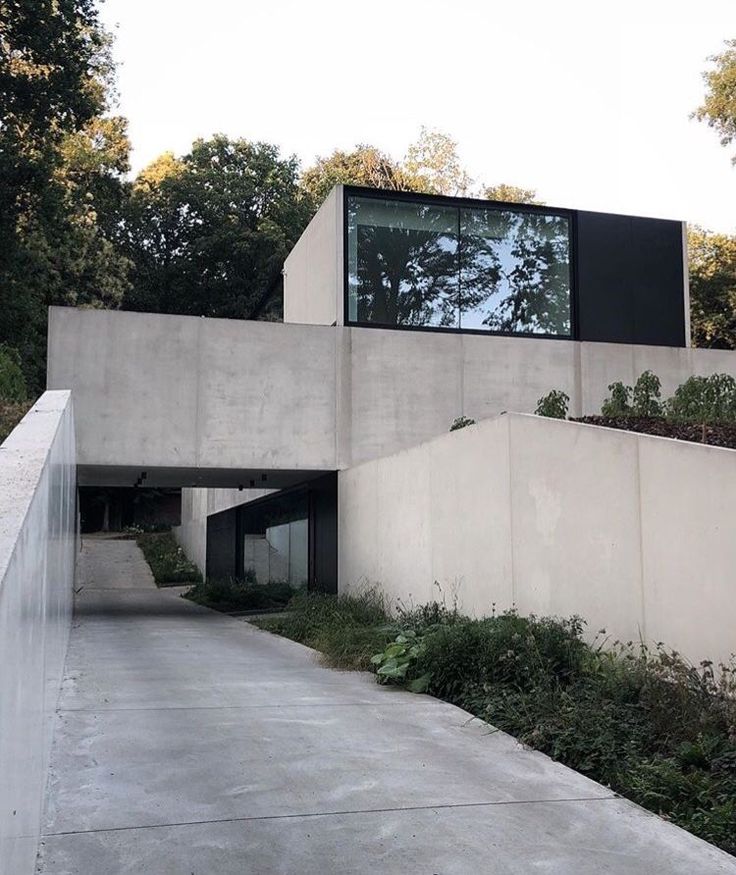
[646,395]
[554,405]
[618,403]
[396,661]
[461,422]
[704,400]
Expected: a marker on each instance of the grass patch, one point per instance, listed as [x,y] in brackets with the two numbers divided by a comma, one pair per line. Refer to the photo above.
[644,722]
[169,563]
[240,595]
[346,630]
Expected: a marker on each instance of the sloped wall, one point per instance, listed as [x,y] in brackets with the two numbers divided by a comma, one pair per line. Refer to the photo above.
[636,534]
[38,547]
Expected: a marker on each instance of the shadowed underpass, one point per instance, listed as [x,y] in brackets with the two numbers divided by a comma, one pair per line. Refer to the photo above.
[190,743]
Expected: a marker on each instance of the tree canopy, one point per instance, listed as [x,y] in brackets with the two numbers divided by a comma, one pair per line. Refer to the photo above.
[718,109]
[712,260]
[208,233]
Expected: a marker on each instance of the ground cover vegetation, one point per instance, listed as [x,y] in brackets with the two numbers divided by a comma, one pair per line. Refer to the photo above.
[206,232]
[644,722]
[702,409]
[169,564]
[233,595]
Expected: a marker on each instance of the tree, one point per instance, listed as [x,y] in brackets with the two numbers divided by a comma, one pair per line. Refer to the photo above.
[433,165]
[208,232]
[712,259]
[61,166]
[719,107]
[365,165]
[511,194]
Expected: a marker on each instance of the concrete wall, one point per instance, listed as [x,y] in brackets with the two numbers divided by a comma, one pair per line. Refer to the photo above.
[38,543]
[636,534]
[208,395]
[313,279]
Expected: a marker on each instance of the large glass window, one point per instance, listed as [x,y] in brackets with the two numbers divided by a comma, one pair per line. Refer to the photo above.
[414,263]
[275,540]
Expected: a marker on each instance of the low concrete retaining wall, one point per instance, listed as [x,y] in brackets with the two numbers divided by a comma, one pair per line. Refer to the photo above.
[636,534]
[38,545]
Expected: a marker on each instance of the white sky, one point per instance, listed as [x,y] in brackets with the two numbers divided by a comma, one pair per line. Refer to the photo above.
[587,102]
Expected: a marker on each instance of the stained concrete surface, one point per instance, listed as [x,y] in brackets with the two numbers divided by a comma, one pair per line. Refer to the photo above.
[191,743]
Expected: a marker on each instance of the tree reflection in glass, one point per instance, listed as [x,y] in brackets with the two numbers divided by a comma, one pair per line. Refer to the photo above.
[515,272]
[419,264]
[402,263]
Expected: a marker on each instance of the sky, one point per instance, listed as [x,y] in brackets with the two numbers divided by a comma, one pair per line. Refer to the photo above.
[588,103]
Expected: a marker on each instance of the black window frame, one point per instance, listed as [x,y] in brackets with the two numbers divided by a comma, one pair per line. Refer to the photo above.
[383,194]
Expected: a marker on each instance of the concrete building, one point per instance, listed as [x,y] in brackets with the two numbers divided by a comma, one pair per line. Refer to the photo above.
[317,450]
[403,312]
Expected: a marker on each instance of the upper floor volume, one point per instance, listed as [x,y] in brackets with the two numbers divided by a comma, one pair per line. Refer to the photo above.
[399,260]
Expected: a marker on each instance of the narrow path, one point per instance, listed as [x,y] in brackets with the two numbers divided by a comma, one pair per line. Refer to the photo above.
[190,743]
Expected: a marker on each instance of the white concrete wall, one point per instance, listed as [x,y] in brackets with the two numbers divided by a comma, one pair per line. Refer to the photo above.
[38,545]
[186,393]
[636,534]
[313,278]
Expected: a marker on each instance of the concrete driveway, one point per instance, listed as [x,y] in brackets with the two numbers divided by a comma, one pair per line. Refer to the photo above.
[190,743]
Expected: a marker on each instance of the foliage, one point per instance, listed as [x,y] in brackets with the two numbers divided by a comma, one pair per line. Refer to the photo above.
[511,194]
[704,399]
[61,164]
[718,109]
[240,594]
[646,723]
[712,269]
[208,233]
[12,381]
[553,405]
[348,630]
[11,413]
[646,395]
[461,422]
[365,165]
[618,404]
[168,561]
[397,660]
[432,165]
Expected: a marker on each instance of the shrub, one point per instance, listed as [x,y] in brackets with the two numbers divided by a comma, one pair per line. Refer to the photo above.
[168,561]
[12,382]
[11,413]
[461,422]
[704,400]
[618,404]
[646,395]
[553,405]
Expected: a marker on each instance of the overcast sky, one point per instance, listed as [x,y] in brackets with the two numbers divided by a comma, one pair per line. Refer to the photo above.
[587,102]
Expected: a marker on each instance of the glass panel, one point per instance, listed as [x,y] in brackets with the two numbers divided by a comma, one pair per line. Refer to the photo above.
[402,263]
[515,271]
[275,540]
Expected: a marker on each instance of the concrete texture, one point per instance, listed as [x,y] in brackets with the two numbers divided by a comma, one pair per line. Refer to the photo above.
[38,526]
[188,743]
[199,399]
[634,533]
[313,270]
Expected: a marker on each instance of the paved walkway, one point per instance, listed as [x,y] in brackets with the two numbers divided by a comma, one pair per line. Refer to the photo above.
[191,743]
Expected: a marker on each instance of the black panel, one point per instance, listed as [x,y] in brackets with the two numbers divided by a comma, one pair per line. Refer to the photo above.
[323,534]
[630,284]
[221,543]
